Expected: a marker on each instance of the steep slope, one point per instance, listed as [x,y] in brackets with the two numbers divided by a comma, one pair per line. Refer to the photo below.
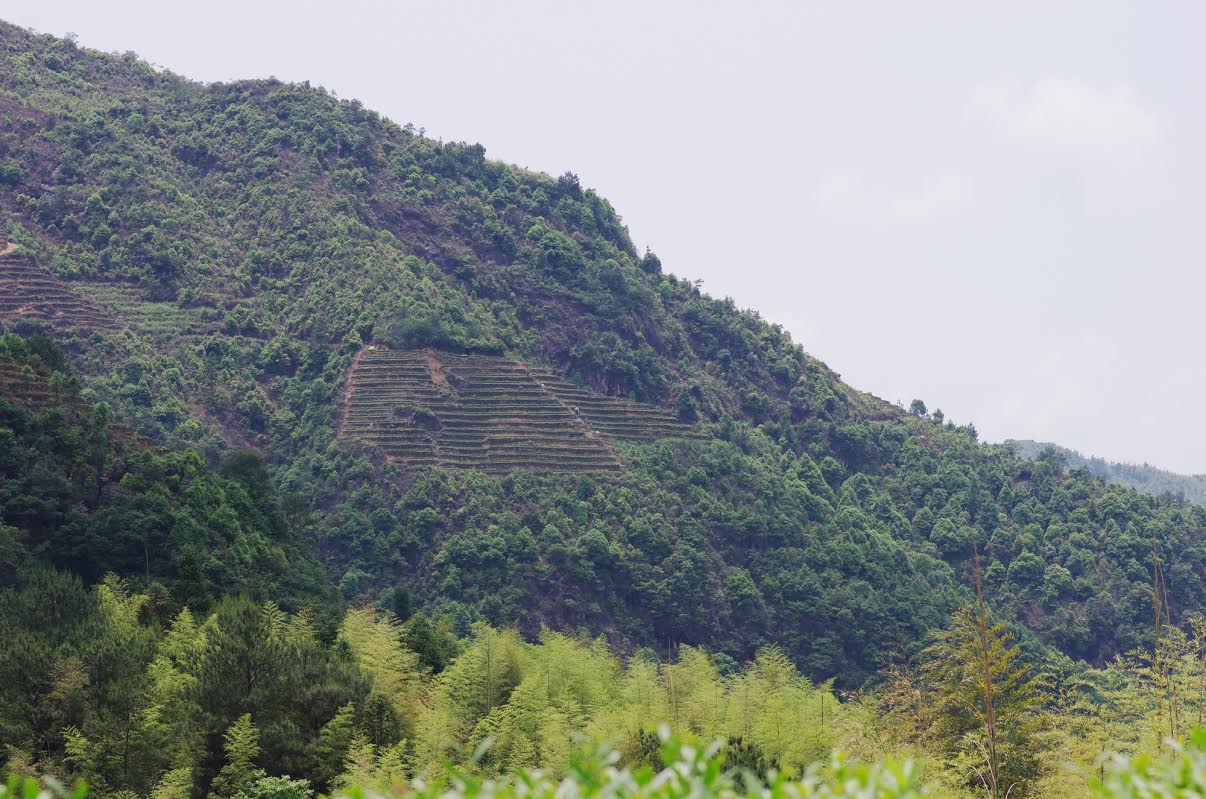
[29,293]
[1144,478]
[254,238]
[80,493]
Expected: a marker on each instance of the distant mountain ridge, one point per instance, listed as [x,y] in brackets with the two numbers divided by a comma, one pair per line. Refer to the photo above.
[1141,477]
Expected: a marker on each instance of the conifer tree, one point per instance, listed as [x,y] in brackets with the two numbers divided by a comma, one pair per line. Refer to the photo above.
[333,742]
[242,747]
[986,712]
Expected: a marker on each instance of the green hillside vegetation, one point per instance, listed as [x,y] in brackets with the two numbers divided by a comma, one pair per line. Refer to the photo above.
[246,244]
[291,230]
[145,697]
[83,495]
[704,772]
[1144,478]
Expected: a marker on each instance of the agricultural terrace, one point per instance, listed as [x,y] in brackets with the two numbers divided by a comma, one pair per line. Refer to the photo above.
[428,408]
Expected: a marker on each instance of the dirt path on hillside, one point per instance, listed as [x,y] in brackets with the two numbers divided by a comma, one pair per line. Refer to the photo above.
[436,369]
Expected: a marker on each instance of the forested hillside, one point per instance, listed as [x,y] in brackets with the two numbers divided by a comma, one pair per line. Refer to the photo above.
[1145,478]
[250,239]
[82,495]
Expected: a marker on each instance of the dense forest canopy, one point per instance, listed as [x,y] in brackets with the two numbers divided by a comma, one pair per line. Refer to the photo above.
[173,486]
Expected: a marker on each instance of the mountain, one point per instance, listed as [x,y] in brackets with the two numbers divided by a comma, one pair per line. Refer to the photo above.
[1144,478]
[479,398]
[85,495]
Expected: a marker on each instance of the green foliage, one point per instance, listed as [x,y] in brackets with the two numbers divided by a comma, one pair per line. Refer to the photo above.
[251,239]
[693,771]
[1179,774]
[276,788]
[1145,478]
[690,771]
[80,494]
[988,714]
[434,645]
[242,747]
[249,701]
[216,704]
[21,786]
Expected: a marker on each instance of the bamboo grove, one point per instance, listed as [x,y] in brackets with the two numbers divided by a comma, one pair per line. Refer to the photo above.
[134,702]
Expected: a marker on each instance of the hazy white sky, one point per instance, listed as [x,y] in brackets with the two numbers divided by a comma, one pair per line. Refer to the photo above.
[995,207]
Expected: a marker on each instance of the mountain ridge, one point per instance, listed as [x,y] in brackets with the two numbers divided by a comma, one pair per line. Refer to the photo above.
[258,235]
[1141,476]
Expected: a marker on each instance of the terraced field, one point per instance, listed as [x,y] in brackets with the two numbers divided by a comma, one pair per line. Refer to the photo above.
[30,293]
[154,319]
[29,389]
[615,417]
[425,408]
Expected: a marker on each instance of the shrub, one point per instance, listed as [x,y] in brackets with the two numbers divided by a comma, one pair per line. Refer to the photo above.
[1180,774]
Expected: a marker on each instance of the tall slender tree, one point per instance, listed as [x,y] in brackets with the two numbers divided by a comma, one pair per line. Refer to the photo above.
[986,709]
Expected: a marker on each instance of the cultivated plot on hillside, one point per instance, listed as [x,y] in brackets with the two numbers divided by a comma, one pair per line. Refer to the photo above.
[427,408]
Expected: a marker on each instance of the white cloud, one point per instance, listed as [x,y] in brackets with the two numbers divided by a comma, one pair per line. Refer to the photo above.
[1068,115]
[849,197]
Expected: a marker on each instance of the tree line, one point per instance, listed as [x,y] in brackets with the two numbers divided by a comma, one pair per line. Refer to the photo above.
[107,686]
